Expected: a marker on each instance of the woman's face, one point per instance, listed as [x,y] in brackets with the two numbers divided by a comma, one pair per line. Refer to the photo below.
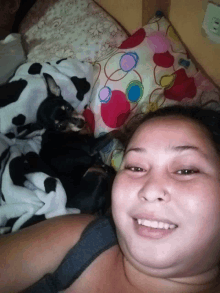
[166,199]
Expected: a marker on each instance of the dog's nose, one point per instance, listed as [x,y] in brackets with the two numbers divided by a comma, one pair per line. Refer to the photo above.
[78,122]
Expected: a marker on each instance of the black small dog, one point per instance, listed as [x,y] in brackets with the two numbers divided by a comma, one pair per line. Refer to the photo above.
[55,113]
[72,157]
[66,154]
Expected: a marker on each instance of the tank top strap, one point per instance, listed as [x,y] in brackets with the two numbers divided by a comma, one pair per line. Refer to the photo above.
[97,237]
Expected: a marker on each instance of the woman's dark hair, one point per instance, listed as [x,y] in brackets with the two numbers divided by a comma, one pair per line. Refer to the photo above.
[210,119]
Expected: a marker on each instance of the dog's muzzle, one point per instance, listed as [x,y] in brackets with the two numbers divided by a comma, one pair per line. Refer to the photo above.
[77,122]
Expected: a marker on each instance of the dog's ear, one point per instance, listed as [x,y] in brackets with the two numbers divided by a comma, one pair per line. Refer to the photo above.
[52,88]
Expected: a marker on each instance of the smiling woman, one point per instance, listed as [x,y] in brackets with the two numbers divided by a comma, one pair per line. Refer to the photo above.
[168,189]
[163,234]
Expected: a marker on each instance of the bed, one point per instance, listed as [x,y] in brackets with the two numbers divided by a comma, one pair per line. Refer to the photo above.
[137,56]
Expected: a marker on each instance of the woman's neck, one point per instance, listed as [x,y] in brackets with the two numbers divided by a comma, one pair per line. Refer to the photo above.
[208,282]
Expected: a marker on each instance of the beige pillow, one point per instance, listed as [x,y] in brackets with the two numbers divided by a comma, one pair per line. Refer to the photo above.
[70,29]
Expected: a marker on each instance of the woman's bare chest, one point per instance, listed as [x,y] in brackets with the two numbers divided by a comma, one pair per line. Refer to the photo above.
[106,285]
[104,275]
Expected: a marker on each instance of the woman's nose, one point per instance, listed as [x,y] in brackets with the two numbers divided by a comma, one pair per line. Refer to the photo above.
[155,188]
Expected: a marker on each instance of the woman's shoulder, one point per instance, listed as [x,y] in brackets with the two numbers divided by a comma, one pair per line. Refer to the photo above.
[70,226]
[63,231]
[39,249]
[60,234]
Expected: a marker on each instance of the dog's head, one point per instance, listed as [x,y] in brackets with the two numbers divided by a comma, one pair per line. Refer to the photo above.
[55,113]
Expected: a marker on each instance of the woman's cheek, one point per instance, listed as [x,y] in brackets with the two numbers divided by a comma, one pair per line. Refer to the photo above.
[120,188]
[118,185]
[197,194]
[116,197]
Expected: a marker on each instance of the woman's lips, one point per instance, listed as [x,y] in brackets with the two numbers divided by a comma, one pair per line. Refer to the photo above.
[152,217]
[154,233]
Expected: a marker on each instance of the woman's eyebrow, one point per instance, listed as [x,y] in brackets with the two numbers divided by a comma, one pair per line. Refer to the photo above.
[179,148]
[138,150]
[182,148]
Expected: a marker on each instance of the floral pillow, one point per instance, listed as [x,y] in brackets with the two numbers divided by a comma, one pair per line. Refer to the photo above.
[70,28]
[150,69]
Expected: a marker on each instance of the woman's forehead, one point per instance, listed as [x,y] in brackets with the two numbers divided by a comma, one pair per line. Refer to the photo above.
[174,128]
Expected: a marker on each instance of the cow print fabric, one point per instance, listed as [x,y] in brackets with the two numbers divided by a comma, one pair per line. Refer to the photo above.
[21,97]
[26,194]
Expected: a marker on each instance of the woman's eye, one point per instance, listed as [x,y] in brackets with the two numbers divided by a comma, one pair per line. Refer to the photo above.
[187,172]
[134,169]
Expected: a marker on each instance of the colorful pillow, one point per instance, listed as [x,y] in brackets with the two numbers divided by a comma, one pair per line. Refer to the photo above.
[70,28]
[150,69]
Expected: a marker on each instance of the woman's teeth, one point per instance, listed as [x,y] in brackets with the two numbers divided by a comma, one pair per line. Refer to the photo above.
[155,224]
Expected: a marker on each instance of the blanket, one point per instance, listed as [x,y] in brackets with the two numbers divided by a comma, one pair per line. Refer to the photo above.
[25,194]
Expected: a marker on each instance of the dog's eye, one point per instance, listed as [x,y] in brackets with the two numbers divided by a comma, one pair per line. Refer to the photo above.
[69,108]
[60,126]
